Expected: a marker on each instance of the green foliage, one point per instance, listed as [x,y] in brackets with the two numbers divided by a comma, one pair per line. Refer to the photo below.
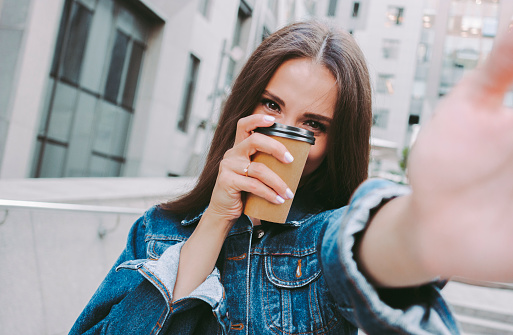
[403,163]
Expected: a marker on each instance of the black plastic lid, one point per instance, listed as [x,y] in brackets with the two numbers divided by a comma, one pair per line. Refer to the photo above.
[281,130]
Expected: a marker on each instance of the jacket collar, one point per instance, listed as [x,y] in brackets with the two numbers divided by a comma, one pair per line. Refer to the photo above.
[296,217]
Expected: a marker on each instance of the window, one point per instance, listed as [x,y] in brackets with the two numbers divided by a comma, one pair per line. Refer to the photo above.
[69,52]
[188,97]
[91,92]
[394,16]
[204,7]
[413,119]
[332,8]
[265,33]
[385,83]
[380,118]
[239,38]
[356,9]
[390,48]
[117,62]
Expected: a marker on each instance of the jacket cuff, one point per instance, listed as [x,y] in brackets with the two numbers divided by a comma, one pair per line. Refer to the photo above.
[419,310]
[162,274]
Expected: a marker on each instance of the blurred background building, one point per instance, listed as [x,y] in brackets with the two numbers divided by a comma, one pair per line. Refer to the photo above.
[93,88]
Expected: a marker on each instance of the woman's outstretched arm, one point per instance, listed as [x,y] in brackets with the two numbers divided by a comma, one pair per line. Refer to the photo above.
[458,220]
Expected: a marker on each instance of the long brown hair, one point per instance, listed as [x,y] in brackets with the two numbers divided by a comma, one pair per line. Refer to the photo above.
[346,163]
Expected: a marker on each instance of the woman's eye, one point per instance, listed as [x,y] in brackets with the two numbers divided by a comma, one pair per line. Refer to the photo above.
[316,126]
[271,105]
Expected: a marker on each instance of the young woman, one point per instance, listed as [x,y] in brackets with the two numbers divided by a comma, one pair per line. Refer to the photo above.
[371,258]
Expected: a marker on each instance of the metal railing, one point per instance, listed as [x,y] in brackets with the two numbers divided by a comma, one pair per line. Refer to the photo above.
[18,204]
[37,205]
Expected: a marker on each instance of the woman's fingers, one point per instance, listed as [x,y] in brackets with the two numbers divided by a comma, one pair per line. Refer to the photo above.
[258,179]
[246,125]
[261,143]
[258,188]
[267,176]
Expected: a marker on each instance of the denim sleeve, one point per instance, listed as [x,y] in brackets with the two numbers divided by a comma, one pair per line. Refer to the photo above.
[136,295]
[413,310]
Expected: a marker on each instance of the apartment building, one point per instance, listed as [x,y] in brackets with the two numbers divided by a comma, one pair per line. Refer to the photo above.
[417,51]
[117,88]
[134,87]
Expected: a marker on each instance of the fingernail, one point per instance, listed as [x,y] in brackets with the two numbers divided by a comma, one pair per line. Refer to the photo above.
[289,193]
[280,199]
[288,157]
[269,118]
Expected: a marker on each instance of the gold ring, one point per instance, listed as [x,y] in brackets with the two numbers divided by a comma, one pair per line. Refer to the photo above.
[246,169]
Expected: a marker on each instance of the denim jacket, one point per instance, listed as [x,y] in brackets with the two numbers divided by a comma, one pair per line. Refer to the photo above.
[300,278]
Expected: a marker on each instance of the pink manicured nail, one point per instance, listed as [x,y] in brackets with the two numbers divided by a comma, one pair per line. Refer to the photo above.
[289,193]
[288,157]
[280,199]
[269,118]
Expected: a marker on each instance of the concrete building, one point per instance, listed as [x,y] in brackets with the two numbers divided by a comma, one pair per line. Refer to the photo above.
[117,88]
[92,88]
[417,51]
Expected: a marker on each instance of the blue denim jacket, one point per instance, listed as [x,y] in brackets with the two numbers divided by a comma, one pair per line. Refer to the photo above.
[301,278]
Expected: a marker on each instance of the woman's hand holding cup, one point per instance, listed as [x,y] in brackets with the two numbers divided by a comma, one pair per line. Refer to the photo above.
[238,174]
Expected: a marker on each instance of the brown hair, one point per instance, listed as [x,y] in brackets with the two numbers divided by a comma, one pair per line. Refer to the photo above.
[346,163]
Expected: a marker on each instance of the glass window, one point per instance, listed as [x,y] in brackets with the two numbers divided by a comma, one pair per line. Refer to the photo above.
[81,135]
[265,33]
[105,126]
[117,62]
[75,43]
[192,76]
[98,166]
[416,105]
[428,20]
[385,83]
[104,167]
[390,49]
[99,43]
[332,7]
[14,13]
[132,76]
[204,7]
[356,9]
[120,133]
[243,17]
[61,113]
[380,118]
[394,16]
[98,58]
[52,163]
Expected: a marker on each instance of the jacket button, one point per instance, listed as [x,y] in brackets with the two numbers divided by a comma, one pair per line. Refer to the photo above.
[260,233]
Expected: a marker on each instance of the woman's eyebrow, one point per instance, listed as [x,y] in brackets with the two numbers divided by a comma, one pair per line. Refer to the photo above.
[318,117]
[274,97]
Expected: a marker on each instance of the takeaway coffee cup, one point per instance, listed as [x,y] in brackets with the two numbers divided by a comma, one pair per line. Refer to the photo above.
[298,142]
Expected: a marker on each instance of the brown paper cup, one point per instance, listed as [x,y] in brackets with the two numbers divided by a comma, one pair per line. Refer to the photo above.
[262,209]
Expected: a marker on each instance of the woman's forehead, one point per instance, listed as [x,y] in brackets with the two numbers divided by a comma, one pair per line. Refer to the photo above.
[304,84]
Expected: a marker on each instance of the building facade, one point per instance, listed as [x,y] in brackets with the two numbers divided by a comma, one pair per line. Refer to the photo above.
[134,87]
[117,88]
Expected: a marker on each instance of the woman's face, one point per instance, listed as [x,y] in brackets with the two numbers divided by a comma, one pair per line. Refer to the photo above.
[303,94]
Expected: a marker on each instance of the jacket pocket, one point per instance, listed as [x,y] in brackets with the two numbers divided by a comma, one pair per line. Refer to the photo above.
[156,247]
[294,295]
